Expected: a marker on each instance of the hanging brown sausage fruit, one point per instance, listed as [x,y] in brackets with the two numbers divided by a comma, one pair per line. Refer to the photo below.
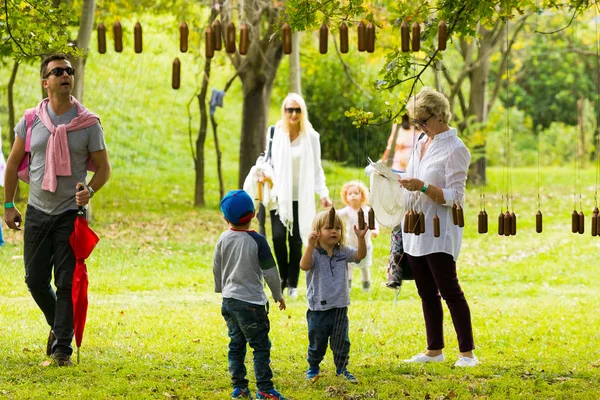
[361,219]
[118,34]
[460,216]
[575,221]
[405,37]
[137,38]
[101,38]
[230,36]
[538,222]
[331,221]
[244,39]
[184,32]
[217,40]
[286,33]
[442,35]
[343,38]
[436,226]
[209,51]
[323,37]
[362,36]
[176,81]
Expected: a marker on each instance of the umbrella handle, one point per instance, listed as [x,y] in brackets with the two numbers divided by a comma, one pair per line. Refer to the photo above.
[80,208]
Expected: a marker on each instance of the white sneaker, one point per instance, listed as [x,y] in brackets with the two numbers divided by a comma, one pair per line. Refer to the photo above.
[422,358]
[467,361]
[293,292]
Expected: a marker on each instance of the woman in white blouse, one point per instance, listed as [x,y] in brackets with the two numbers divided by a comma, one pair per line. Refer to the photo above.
[436,177]
[298,175]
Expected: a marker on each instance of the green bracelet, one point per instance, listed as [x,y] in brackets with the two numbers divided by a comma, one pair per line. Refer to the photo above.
[9,205]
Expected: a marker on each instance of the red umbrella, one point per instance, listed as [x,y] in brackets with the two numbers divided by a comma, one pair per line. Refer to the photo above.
[83,240]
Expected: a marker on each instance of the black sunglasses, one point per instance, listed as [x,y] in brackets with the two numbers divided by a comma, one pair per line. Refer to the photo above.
[291,110]
[58,72]
[421,122]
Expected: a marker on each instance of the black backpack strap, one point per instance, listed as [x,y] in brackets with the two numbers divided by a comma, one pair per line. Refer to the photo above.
[271,134]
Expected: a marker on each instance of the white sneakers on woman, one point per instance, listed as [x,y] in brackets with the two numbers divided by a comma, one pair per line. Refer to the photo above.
[422,358]
[462,361]
[466,361]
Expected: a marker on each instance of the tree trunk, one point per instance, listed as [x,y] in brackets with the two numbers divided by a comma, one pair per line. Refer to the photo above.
[257,73]
[86,25]
[294,77]
[254,125]
[478,101]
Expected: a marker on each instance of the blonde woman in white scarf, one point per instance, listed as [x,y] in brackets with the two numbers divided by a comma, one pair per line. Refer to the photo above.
[298,175]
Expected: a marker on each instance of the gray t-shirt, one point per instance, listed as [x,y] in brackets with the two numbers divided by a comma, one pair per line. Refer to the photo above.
[81,144]
[327,280]
[242,259]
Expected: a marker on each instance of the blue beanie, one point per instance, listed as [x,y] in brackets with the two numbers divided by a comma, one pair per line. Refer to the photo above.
[237,207]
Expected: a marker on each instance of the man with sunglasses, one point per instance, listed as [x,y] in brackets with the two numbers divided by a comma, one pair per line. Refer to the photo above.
[64,138]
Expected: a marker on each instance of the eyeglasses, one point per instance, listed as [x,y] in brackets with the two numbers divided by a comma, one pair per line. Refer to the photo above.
[291,110]
[58,72]
[421,122]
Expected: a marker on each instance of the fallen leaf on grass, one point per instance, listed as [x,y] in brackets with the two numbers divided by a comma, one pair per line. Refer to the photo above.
[45,363]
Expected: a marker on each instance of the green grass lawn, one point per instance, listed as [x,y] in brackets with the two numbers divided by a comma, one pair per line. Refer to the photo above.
[154,328]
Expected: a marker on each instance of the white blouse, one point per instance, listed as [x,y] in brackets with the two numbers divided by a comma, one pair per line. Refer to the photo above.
[444,164]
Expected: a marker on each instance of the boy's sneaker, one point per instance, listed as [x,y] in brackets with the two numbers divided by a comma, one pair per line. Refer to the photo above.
[349,377]
[293,292]
[241,393]
[366,286]
[269,394]
[312,373]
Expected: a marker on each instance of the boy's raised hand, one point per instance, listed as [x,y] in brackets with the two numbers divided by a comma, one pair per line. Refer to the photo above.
[281,304]
[361,233]
[313,238]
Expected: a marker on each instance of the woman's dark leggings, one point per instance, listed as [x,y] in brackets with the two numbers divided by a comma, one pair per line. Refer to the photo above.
[435,275]
[289,268]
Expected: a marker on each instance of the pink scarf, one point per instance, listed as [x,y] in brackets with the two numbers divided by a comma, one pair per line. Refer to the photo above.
[58,159]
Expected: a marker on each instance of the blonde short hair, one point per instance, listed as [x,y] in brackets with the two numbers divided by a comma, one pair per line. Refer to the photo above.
[364,192]
[429,101]
[322,219]
[305,124]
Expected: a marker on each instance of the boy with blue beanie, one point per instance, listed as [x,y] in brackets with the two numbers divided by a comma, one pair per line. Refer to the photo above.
[242,259]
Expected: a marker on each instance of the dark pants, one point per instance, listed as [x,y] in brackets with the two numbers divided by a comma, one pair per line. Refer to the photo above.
[46,247]
[435,275]
[289,270]
[332,326]
[248,323]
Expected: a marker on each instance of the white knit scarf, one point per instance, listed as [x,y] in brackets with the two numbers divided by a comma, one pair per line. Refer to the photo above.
[282,167]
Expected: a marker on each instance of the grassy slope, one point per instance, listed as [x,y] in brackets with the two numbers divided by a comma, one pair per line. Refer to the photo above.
[154,327]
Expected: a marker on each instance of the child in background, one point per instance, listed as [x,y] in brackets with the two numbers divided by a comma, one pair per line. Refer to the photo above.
[356,196]
[325,261]
[242,259]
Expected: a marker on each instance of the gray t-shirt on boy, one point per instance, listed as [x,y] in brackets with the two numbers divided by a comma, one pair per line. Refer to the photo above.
[327,280]
[242,258]
[81,144]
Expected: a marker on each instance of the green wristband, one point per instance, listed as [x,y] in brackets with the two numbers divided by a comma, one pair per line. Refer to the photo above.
[9,205]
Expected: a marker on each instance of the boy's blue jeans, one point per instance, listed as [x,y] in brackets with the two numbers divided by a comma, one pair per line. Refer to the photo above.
[248,323]
[332,326]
